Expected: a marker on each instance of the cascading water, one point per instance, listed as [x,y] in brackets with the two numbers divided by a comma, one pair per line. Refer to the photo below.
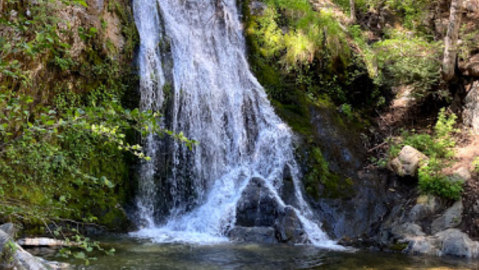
[216,101]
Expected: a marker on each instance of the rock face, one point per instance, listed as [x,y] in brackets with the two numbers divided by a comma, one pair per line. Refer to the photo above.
[450,219]
[425,206]
[260,217]
[289,228]
[408,161]
[471,107]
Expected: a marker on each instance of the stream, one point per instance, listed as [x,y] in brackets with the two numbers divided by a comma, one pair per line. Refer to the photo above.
[135,254]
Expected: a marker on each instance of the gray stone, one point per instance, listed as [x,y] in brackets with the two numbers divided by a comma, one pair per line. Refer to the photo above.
[406,231]
[451,218]
[258,206]
[289,228]
[253,234]
[15,257]
[422,246]
[425,206]
[456,243]
[462,174]
[10,228]
[408,161]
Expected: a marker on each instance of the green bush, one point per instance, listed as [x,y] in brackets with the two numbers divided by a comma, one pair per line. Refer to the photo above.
[431,180]
[439,149]
[408,60]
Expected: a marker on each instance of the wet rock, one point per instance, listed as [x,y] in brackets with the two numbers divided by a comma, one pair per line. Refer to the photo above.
[451,218]
[289,228]
[258,206]
[456,243]
[408,161]
[426,205]
[253,234]
[288,190]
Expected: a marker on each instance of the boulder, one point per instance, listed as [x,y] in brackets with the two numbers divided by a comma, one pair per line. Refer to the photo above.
[253,234]
[425,206]
[289,228]
[451,218]
[422,245]
[408,161]
[450,242]
[456,243]
[406,231]
[461,174]
[258,206]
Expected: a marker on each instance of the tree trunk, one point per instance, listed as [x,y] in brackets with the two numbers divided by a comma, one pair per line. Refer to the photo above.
[450,41]
[353,11]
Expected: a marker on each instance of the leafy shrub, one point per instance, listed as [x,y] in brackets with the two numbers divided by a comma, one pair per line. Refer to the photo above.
[408,60]
[431,180]
[439,149]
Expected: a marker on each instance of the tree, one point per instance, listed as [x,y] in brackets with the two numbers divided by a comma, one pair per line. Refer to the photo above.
[450,41]
[353,11]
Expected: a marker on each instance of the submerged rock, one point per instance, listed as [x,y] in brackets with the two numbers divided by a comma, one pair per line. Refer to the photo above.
[253,234]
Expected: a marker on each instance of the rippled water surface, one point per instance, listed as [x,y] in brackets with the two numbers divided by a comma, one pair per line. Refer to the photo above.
[135,254]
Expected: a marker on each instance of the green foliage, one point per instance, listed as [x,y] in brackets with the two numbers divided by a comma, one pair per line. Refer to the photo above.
[407,60]
[440,145]
[431,180]
[440,149]
[320,175]
[347,110]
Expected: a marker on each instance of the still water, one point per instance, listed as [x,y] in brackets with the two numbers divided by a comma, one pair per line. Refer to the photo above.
[134,254]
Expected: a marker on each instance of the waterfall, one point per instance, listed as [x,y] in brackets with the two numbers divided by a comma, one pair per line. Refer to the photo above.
[214,99]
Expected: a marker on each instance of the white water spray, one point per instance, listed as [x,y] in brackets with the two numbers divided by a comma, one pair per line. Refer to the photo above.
[219,103]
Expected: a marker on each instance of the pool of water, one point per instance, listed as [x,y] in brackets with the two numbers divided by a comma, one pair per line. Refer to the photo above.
[136,254]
